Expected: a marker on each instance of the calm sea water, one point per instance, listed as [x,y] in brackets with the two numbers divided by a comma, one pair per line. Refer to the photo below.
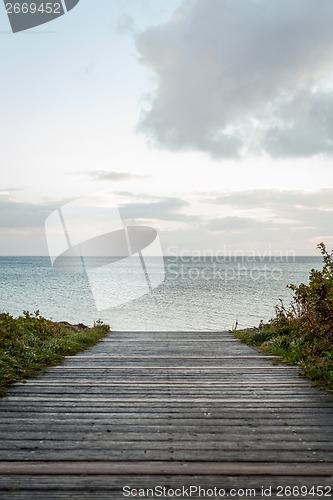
[197,294]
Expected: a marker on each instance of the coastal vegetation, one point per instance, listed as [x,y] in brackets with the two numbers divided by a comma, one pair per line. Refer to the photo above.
[30,343]
[302,333]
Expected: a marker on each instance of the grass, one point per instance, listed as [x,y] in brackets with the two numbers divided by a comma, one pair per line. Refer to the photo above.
[313,355]
[30,343]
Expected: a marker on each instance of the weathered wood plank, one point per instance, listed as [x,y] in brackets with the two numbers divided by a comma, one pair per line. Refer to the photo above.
[175,468]
[200,444]
[195,401]
[236,433]
[167,454]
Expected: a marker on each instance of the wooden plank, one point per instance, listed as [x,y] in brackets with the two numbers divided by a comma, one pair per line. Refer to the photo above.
[234,433]
[105,487]
[169,400]
[110,487]
[166,454]
[123,413]
[100,389]
[107,443]
[175,468]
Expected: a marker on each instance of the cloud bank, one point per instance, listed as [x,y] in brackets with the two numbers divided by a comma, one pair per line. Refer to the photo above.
[256,218]
[293,209]
[234,77]
[21,214]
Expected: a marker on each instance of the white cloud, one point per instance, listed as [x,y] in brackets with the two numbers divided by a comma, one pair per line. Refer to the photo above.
[233,76]
[106,175]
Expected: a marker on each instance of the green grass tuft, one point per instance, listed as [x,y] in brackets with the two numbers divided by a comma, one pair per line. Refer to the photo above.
[314,356]
[30,343]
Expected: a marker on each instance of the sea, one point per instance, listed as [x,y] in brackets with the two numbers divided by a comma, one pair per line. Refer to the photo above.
[183,293]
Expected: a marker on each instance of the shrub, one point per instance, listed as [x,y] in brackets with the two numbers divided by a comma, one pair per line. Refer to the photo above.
[303,332]
[312,304]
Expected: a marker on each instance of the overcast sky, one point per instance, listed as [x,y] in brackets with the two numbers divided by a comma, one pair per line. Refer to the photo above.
[211,121]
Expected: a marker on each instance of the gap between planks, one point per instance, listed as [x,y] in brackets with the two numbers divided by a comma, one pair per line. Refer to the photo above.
[149,383]
[170,400]
[182,368]
[171,356]
[208,341]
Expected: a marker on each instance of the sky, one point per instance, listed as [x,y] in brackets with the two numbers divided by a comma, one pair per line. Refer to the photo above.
[210,121]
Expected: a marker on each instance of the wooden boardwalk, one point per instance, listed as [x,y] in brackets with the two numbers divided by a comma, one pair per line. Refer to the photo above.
[169,409]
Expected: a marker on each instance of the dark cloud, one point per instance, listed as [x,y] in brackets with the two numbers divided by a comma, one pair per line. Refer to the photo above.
[303,126]
[237,224]
[234,76]
[18,214]
[294,208]
[255,218]
[166,209]
[276,199]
